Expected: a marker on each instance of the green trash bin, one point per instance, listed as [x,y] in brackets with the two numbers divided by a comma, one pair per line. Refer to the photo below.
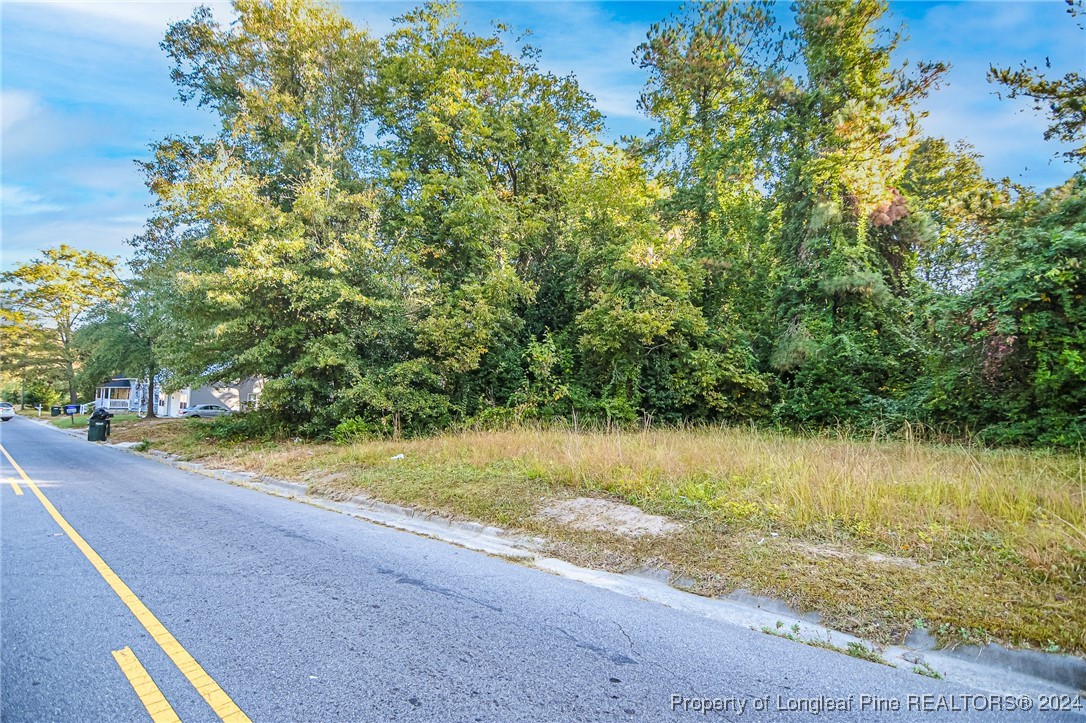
[96,430]
[55,411]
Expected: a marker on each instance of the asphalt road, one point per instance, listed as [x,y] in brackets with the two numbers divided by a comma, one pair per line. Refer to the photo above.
[302,614]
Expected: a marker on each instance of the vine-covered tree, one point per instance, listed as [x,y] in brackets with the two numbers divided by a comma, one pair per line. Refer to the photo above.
[1014,358]
[843,346]
[715,87]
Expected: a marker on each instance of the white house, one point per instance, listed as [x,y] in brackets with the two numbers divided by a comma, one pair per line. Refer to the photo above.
[237,397]
[120,394]
[123,394]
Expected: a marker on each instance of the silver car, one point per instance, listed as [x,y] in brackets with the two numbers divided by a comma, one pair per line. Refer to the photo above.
[205,410]
[6,411]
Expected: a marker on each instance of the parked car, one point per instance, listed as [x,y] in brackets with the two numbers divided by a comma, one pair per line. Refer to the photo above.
[6,411]
[206,410]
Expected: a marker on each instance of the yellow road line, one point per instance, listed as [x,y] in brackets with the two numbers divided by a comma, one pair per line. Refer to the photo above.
[205,685]
[156,704]
[15,485]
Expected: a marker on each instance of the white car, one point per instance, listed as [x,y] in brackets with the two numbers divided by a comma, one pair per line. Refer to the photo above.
[205,410]
[6,411]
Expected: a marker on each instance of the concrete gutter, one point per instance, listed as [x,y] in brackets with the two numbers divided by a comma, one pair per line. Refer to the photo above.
[992,668]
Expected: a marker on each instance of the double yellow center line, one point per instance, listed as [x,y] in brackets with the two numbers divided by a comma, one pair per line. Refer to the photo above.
[205,685]
[156,704]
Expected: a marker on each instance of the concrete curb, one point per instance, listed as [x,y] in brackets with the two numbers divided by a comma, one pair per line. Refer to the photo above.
[471,535]
[992,668]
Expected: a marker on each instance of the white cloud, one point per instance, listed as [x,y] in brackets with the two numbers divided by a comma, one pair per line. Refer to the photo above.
[972,36]
[47,133]
[16,106]
[106,175]
[129,221]
[1009,134]
[19,201]
[583,39]
[24,241]
[145,14]
[1014,27]
[127,23]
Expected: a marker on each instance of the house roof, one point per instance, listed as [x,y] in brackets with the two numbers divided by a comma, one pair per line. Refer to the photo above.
[117,383]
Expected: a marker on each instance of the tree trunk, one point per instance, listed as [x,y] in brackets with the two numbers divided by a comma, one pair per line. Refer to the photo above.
[152,399]
[73,396]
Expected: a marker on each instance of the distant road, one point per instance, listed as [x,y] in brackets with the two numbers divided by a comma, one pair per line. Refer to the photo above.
[228,604]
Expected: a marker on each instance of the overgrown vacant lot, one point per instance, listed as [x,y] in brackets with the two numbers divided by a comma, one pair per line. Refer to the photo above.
[878,537]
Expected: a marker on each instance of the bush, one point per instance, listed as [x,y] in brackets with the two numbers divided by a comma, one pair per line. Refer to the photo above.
[259,425]
[358,429]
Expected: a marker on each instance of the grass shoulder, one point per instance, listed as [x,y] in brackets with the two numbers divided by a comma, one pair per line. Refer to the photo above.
[879,537]
[79,421]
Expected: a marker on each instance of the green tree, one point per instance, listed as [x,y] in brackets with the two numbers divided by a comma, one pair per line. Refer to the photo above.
[291,81]
[648,348]
[263,240]
[121,338]
[26,357]
[843,346]
[953,209]
[354,276]
[47,299]
[716,88]
[1014,346]
[714,72]
[481,144]
[402,232]
[305,297]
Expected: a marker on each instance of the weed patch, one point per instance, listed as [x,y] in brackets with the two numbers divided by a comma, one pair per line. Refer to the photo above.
[927,671]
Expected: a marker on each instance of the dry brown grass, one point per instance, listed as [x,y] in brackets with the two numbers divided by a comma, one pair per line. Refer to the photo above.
[875,535]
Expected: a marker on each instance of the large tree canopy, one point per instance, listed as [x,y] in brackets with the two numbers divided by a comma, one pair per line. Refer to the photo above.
[406,232]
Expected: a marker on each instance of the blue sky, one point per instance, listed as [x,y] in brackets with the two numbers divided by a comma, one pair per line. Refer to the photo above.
[86,89]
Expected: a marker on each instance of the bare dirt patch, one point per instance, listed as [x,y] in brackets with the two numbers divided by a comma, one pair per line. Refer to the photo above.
[587,513]
[843,554]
